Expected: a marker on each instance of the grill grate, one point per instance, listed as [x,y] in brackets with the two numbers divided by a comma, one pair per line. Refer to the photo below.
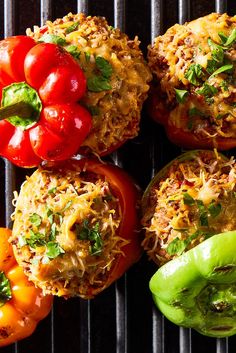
[123,318]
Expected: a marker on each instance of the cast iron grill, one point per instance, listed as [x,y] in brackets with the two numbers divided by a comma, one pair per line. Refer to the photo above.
[123,318]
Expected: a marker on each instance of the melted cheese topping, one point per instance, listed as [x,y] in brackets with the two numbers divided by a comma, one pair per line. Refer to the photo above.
[66,201]
[195,200]
[170,58]
[117,111]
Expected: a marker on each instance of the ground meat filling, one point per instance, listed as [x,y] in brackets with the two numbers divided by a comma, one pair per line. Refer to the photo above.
[117,76]
[194,65]
[65,231]
[195,200]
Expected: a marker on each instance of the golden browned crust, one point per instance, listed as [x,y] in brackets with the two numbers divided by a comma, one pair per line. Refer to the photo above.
[116,111]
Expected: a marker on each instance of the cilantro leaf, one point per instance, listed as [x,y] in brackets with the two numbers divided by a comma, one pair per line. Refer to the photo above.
[35,219]
[217,51]
[188,199]
[231,39]
[194,74]
[53,250]
[225,68]
[104,66]
[203,214]
[84,232]
[52,190]
[181,95]
[35,239]
[207,90]
[5,289]
[176,247]
[52,38]
[74,51]
[214,209]
[195,112]
[72,28]
[212,66]
[98,84]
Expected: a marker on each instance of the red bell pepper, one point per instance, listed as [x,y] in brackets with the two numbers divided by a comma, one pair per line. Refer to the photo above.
[40,85]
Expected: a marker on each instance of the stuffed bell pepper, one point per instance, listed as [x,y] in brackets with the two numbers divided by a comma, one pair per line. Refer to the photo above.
[22,305]
[76,227]
[193,94]
[189,215]
[117,76]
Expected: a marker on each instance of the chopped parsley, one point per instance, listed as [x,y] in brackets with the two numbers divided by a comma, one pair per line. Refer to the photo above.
[214,209]
[5,289]
[196,112]
[181,95]
[93,109]
[100,80]
[85,232]
[195,74]
[52,190]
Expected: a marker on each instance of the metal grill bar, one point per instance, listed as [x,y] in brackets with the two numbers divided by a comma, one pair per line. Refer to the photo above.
[82,6]
[45,11]
[183,11]
[156,18]
[221,6]
[121,285]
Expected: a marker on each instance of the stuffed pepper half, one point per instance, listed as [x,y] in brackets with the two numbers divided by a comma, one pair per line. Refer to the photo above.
[76,227]
[192,199]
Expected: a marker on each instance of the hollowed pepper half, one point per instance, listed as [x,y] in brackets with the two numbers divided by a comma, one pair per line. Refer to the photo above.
[22,305]
[198,289]
[40,86]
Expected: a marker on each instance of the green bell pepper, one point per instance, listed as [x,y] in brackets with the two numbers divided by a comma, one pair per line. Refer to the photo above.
[198,289]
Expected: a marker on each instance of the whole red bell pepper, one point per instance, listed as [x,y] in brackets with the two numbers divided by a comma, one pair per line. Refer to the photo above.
[40,85]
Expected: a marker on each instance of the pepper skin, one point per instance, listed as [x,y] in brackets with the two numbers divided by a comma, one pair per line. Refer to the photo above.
[198,288]
[50,83]
[25,305]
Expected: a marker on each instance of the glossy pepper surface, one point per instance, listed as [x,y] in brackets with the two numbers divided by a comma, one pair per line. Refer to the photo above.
[22,305]
[40,85]
[198,289]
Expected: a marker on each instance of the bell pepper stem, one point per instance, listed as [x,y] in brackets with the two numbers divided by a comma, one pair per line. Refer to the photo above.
[21,109]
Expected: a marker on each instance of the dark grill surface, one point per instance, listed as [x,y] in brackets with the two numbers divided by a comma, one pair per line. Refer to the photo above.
[123,318]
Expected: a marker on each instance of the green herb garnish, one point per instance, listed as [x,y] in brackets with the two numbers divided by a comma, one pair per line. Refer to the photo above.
[74,51]
[53,250]
[181,95]
[225,68]
[194,74]
[5,289]
[214,209]
[188,199]
[72,28]
[207,90]
[84,232]
[100,80]
[35,219]
[228,41]
[217,51]
[52,38]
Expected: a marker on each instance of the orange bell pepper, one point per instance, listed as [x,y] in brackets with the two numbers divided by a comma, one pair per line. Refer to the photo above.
[22,305]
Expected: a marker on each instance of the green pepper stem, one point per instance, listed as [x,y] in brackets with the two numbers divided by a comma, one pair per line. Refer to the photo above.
[21,109]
